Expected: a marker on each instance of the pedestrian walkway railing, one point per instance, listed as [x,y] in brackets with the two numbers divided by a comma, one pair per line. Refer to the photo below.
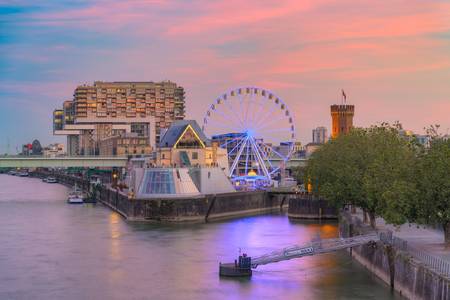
[436,263]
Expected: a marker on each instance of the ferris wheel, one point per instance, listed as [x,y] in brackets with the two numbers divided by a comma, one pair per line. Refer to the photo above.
[257,129]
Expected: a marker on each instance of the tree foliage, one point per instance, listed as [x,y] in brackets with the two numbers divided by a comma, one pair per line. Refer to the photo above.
[433,172]
[386,174]
[368,168]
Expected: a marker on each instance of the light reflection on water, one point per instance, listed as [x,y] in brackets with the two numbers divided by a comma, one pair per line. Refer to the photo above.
[52,250]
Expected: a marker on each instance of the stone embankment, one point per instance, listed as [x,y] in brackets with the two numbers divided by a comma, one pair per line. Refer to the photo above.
[390,260]
[305,206]
[194,209]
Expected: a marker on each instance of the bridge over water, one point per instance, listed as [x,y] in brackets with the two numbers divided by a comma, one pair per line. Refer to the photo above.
[93,161]
[62,162]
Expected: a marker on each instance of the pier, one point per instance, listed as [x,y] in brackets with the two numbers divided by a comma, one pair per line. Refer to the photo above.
[242,267]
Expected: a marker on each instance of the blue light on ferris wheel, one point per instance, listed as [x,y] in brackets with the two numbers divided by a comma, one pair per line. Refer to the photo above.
[250,133]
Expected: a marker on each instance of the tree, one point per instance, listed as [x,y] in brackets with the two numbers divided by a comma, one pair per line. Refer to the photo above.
[389,182]
[370,168]
[336,169]
[433,173]
[299,173]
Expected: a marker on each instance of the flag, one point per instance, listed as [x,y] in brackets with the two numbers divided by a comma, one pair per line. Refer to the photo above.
[344,96]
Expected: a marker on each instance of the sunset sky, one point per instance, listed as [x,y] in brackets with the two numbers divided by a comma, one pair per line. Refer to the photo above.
[392,58]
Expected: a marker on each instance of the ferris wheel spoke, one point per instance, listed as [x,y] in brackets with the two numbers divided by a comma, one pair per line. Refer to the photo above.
[241,108]
[240,104]
[268,115]
[273,131]
[264,155]
[261,163]
[246,161]
[237,145]
[259,113]
[238,156]
[246,112]
[230,141]
[263,101]
[223,125]
[272,122]
[231,115]
[272,150]
[253,108]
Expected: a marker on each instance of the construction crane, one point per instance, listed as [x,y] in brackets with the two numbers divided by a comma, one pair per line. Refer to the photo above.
[244,264]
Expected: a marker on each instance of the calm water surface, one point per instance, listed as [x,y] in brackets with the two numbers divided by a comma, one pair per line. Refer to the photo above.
[52,250]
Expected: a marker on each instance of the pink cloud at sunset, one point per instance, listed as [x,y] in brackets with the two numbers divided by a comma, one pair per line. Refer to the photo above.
[391,58]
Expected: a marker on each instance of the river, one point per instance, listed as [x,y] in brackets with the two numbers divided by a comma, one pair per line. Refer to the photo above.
[53,250]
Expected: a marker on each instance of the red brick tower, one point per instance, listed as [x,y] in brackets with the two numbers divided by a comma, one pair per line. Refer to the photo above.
[342,119]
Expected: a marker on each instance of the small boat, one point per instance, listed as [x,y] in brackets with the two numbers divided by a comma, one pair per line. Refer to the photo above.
[23,174]
[76,196]
[51,180]
[75,199]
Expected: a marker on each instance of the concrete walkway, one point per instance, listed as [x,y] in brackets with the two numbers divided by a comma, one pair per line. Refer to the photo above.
[428,239]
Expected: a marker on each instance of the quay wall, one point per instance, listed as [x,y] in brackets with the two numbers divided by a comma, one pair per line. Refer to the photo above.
[395,266]
[190,209]
[305,206]
[195,209]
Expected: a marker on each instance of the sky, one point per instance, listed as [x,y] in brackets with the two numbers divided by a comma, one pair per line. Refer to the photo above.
[392,58]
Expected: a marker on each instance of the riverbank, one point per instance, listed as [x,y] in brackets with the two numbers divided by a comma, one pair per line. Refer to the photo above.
[391,261]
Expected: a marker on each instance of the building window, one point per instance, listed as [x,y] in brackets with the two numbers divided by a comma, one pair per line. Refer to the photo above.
[194,155]
[163,156]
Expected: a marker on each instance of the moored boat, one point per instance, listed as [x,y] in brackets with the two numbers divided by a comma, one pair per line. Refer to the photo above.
[76,196]
[51,180]
[75,199]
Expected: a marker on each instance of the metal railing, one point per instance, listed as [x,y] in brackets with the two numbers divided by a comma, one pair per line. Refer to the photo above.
[436,263]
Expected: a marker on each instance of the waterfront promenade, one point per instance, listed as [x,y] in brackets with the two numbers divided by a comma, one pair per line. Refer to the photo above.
[425,238]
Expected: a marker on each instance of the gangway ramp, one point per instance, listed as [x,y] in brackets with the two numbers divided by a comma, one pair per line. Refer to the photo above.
[243,266]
